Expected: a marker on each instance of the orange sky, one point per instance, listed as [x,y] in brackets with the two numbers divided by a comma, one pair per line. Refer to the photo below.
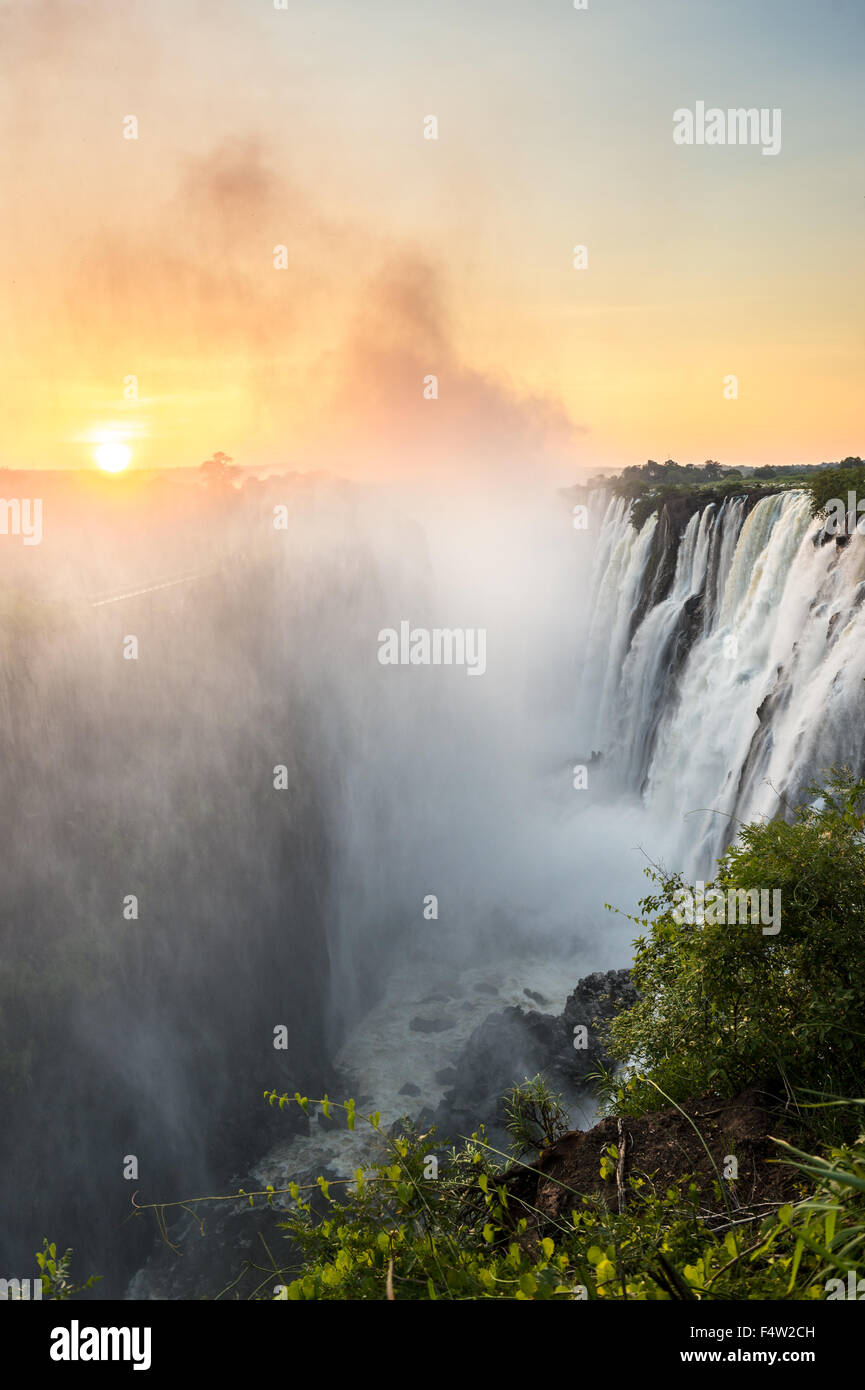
[153,258]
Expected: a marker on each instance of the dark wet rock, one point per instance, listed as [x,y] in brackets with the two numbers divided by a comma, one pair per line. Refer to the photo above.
[593,1004]
[533,994]
[515,1044]
[409,1089]
[431,1025]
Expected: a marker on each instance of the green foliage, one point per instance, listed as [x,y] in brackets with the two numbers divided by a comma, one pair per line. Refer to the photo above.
[535,1116]
[54,1272]
[830,1224]
[647,499]
[648,486]
[835,483]
[671,472]
[721,1006]
[396,1233]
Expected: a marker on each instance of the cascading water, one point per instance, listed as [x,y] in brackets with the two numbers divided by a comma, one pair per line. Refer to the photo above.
[742,683]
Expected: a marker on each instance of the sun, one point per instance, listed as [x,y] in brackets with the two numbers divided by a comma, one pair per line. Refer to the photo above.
[112,457]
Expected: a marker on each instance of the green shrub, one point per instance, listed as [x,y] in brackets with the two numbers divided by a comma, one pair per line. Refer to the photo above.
[835,483]
[721,1006]
[55,1274]
[397,1232]
[536,1117]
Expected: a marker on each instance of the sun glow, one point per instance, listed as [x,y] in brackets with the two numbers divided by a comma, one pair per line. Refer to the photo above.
[112,457]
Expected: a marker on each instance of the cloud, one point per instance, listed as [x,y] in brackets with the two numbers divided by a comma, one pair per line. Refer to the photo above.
[323,362]
[401,336]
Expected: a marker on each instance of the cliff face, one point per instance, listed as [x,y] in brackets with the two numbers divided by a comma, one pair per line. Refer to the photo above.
[724,661]
[673,517]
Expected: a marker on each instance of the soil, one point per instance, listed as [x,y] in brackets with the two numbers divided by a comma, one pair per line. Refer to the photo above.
[663,1147]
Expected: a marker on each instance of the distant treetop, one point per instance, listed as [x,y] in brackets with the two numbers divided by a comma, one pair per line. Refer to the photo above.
[217,471]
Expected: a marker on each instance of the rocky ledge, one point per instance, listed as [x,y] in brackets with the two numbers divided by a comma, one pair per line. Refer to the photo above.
[515,1043]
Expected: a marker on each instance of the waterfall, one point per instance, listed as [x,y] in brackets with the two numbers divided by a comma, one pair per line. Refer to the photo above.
[720,690]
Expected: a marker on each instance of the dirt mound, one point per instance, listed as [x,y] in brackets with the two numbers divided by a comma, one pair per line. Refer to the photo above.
[664,1147]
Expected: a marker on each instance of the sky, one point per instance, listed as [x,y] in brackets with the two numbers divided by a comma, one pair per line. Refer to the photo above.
[141,300]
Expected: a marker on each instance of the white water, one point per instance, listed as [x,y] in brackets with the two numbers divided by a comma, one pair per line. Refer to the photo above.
[383,1053]
[783,620]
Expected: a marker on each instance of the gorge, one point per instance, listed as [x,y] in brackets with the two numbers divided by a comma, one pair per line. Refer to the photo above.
[714,656]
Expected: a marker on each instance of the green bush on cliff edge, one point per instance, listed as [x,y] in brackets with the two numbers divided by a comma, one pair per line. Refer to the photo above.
[726,1004]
